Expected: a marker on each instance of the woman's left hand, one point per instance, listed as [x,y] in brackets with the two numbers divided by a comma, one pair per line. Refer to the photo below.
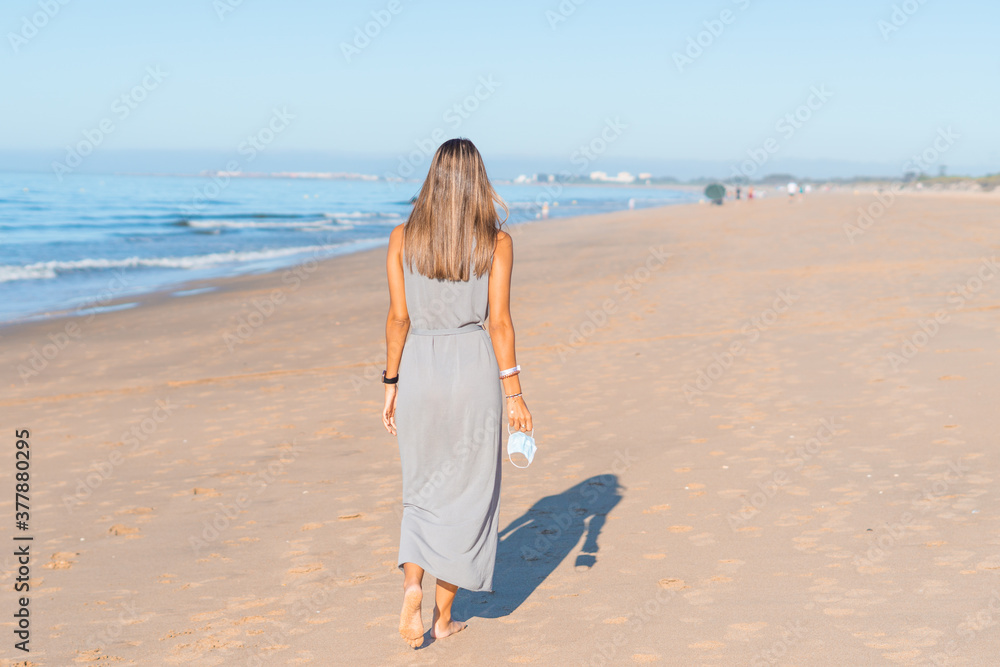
[518,416]
[389,411]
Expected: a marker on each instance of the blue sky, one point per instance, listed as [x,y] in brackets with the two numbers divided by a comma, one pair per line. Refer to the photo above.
[553,88]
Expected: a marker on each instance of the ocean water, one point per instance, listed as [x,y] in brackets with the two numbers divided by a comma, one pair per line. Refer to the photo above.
[78,244]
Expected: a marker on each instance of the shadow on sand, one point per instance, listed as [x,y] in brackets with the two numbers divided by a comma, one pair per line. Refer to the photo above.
[534,544]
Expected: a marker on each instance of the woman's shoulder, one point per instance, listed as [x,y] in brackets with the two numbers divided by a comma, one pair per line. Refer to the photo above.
[396,242]
[396,237]
[504,247]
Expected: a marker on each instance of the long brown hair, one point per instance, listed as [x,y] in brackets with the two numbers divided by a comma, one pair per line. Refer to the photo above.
[454,223]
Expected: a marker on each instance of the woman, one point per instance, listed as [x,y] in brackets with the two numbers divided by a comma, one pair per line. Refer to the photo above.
[448,267]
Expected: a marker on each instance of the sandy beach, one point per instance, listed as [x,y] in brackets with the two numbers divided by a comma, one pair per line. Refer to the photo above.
[766,431]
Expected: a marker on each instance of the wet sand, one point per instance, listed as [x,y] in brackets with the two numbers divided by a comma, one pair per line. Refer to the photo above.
[763,439]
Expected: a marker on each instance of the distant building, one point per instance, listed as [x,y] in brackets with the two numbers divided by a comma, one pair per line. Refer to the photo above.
[622,177]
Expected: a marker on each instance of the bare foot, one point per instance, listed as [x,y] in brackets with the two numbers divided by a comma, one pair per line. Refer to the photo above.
[411,626]
[441,630]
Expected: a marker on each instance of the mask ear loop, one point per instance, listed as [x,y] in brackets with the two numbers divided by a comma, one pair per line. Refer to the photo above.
[510,433]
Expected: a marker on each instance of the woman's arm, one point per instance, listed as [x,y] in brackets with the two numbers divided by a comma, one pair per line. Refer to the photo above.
[502,330]
[397,324]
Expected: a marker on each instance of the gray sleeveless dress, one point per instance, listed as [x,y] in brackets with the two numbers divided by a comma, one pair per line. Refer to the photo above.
[449,415]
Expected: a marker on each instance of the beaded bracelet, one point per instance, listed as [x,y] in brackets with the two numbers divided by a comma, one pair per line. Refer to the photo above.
[510,372]
[514,395]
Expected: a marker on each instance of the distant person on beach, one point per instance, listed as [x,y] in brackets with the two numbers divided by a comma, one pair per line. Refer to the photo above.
[445,395]
[792,190]
[750,193]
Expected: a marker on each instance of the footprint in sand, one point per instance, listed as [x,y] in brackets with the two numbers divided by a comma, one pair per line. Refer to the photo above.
[61,560]
[991,563]
[227,639]
[249,619]
[93,655]
[692,492]
[122,529]
[311,526]
[656,508]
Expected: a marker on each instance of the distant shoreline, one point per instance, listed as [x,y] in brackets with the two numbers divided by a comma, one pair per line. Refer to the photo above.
[985,183]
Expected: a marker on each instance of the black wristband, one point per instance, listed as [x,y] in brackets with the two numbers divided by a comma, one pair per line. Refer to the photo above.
[386,380]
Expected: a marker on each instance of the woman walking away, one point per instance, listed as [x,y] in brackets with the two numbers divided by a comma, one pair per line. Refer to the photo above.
[449,267]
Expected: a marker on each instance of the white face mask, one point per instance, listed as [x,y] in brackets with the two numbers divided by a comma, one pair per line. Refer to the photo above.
[523,444]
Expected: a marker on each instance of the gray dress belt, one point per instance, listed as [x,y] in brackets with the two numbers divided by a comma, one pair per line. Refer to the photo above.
[467,328]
